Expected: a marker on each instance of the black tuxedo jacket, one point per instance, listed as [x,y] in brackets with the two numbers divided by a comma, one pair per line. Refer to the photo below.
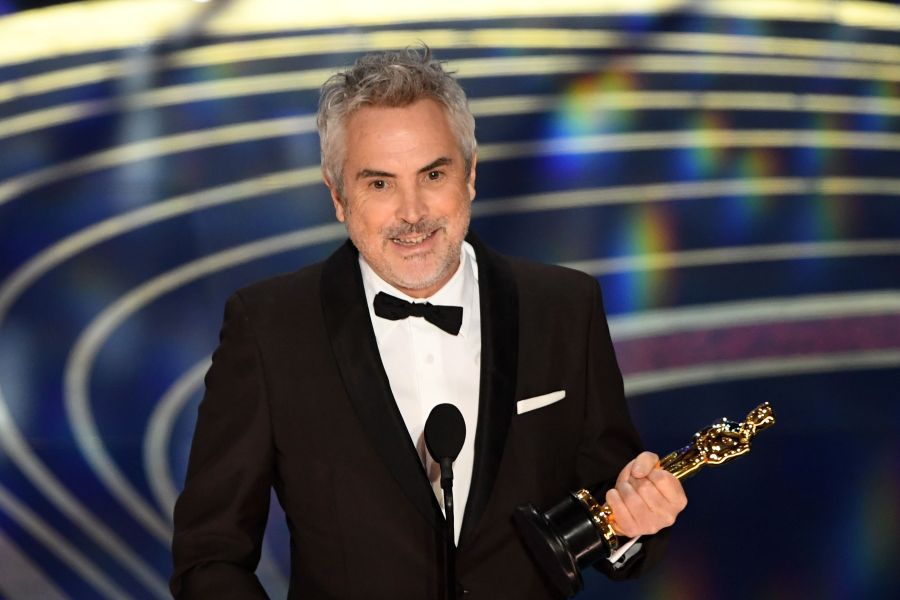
[297,400]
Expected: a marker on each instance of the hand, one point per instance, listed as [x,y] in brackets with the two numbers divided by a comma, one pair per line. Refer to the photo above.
[646,498]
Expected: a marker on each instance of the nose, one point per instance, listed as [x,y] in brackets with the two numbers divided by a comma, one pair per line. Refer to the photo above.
[411,205]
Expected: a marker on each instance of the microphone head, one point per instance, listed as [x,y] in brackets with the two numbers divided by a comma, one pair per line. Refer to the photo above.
[445,432]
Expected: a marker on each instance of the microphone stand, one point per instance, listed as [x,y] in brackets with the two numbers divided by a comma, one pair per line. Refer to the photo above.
[445,432]
[450,563]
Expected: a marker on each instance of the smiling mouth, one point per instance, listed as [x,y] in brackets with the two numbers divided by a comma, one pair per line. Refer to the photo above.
[413,241]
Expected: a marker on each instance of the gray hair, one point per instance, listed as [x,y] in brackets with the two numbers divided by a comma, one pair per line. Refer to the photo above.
[390,79]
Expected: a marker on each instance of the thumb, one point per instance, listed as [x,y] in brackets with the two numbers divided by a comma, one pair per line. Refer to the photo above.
[643,464]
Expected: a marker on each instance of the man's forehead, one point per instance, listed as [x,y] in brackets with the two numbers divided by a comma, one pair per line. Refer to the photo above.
[386,141]
[374,113]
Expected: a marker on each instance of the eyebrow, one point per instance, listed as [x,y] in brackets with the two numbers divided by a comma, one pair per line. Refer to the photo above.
[439,162]
[365,173]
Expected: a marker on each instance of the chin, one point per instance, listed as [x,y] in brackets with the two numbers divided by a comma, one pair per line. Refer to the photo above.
[416,281]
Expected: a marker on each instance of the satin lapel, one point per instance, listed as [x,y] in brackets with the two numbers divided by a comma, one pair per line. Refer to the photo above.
[499,302]
[356,354]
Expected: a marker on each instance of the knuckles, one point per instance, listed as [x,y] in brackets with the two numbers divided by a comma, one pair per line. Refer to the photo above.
[637,500]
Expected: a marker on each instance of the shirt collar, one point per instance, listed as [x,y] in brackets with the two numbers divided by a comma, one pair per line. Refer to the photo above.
[460,290]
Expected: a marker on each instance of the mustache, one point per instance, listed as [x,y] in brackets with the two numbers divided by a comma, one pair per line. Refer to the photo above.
[420,228]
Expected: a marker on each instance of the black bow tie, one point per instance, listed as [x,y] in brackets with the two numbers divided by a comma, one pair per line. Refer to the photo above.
[448,318]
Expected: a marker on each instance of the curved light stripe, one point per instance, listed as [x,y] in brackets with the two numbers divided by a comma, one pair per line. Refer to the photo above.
[639,194]
[21,577]
[159,435]
[88,344]
[62,30]
[696,138]
[156,464]
[246,17]
[440,39]
[60,79]
[59,546]
[718,43]
[54,116]
[768,310]
[734,255]
[710,373]
[119,25]
[600,102]
[524,38]
[712,64]
[664,192]
[18,450]
[146,149]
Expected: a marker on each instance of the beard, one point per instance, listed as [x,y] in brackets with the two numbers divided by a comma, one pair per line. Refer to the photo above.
[414,271]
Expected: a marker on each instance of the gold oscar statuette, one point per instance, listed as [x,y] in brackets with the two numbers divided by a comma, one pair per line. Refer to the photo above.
[579,530]
[714,445]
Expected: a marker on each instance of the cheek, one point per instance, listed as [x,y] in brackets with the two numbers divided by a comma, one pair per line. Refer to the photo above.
[457,204]
[367,222]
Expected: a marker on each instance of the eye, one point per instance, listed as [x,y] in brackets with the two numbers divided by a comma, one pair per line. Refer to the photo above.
[378,184]
[434,175]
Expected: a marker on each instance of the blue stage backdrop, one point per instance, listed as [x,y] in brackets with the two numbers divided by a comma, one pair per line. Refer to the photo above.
[729,171]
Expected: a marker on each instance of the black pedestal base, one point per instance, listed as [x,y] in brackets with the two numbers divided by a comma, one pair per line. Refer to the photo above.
[562,541]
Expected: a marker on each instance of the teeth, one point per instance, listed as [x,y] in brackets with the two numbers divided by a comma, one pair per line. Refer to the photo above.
[412,241]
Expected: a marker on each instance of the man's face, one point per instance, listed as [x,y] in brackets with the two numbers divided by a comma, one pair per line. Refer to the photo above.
[407,200]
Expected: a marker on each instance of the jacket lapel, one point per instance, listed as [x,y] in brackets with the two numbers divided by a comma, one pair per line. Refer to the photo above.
[499,357]
[356,354]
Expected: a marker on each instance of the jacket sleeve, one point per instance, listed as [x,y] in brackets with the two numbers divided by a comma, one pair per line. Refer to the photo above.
[221,514]
[609,439]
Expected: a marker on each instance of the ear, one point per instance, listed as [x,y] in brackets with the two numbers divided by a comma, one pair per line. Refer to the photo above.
[335,199]
[471,182]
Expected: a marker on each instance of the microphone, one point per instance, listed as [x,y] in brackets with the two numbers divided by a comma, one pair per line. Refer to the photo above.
[445,432]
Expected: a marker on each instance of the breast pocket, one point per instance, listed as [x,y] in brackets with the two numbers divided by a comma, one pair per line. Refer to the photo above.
[536,402]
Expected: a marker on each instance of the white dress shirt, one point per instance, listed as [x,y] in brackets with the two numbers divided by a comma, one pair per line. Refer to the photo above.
[427,366]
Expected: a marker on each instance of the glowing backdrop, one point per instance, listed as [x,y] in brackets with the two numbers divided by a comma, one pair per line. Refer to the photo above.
[727,170]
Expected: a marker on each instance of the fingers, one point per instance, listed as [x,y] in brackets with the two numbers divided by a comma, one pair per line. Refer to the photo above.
[622,521]
[625,473]
[669,488]
[646,498]
[638,508]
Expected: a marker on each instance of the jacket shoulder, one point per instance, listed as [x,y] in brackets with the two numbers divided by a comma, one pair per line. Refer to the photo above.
[281,295]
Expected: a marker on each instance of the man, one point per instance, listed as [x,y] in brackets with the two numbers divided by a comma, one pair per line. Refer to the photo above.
[320,390]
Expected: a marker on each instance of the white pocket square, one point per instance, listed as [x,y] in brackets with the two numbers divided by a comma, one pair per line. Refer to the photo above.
[523,406]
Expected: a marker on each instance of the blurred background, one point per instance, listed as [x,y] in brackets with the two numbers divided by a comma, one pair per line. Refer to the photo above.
[728,170]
